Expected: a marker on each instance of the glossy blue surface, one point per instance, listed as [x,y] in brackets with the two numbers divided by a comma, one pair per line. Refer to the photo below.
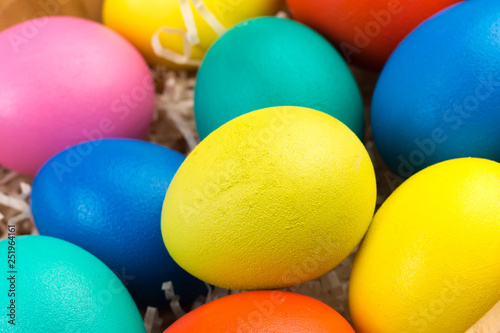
[438,97]
[106,196]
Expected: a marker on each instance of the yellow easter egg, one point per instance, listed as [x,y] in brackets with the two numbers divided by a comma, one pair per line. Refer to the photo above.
[181,31]
[271,199]
[430,261]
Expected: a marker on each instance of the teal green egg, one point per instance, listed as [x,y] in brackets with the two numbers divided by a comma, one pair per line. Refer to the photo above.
[267,62]
[58,287]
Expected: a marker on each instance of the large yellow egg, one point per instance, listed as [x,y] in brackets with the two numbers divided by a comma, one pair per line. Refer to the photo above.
[139,20]
[430,261]
[271,199]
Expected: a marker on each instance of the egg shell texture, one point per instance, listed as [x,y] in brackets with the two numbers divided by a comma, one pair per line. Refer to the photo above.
[267,62]
[430,260]
[273,198]
[109,203]
[66,80]
[263,311]
[365,31]
[437,98]
[60,287]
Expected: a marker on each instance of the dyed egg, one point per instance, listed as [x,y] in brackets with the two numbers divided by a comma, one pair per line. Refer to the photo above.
[58,287]
[269,62]
[437,98]
[429,262]
[365,31]
[67,80]
[272,199]
[106,196]
[263,311]
[178,26]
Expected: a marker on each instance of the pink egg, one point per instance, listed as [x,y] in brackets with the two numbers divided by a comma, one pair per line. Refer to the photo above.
[66,80]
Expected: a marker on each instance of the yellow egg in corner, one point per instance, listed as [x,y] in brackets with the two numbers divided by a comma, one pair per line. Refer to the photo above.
[430,261]
[271,199]
[177,33]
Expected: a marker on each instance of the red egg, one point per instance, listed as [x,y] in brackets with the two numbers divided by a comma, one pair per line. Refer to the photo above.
[263,311]
[365,31]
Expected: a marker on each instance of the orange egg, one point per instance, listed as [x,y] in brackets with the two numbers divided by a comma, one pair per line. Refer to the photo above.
[263,311]
[365,31]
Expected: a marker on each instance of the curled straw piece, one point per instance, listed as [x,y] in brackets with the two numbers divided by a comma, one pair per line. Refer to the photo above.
[18,203]
[209,17]
[190,37]
[170,295]
[152,320]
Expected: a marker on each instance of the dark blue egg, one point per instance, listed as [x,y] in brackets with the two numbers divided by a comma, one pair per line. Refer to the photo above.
[438,97]
[106,196]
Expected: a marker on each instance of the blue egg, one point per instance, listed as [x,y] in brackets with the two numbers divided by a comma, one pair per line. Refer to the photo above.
[438,96]
[106,196]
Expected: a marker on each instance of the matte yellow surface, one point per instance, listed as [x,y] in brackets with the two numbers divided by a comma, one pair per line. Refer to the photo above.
[273,198]
[138,20]
[430,261]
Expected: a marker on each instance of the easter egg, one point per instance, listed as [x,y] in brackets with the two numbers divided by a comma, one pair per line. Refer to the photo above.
[184,28]
[272,199]
[437,98]
[263,311]
[365,31]
[269,62]
[429,262]
[106,196]
[66,80]
[58,287]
